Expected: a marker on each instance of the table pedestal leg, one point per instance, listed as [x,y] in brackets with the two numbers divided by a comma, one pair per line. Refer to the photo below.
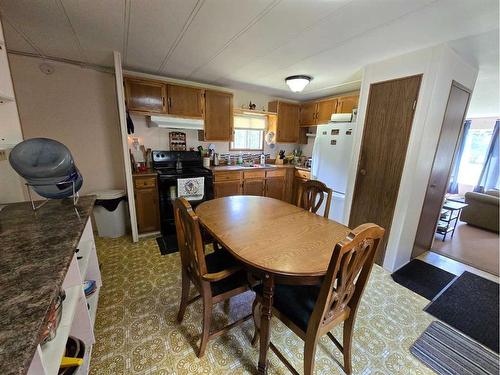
[265,322]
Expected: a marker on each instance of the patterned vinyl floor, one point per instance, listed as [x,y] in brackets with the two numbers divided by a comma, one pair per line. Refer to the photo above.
[136,331]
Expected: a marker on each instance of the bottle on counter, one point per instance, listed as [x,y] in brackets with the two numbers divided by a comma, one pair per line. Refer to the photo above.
[240,158]
[262,159]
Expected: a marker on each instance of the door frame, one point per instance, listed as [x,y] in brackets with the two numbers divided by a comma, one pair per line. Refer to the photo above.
[415,252]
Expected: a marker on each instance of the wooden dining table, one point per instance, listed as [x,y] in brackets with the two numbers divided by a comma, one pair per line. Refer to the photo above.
[277,242]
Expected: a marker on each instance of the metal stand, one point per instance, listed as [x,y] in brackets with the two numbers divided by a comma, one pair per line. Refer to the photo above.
[35,207]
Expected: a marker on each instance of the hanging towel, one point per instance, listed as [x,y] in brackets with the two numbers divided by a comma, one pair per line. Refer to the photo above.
[191,188]
[130,124]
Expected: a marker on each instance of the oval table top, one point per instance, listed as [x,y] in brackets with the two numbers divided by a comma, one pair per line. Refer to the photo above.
[272,235]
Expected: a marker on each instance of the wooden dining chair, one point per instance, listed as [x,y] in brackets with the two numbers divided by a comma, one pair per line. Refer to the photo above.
[312,194]
[216,276]
[312,311]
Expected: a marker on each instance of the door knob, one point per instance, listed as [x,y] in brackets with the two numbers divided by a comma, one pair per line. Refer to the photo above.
[362,172]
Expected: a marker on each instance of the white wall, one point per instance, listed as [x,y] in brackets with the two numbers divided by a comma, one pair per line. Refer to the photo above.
[157,138]
[11,186]
[439,66]
[77,107]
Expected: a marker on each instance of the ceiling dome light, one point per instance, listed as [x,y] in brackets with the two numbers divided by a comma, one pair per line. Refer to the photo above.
[297,83]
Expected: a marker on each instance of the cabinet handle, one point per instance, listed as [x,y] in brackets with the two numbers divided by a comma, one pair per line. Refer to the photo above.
[163,100]
[169,102]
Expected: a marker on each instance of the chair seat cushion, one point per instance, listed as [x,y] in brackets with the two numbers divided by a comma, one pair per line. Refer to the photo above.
[294,301]
[221,260]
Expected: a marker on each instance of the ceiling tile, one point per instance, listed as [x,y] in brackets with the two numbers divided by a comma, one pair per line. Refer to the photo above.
[154,27]
[45,23]
[99,26]
[217,23]
[15,41]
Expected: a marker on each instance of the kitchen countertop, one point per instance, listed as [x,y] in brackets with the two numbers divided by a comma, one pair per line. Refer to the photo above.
[148,173]
[221,168]
[36,249]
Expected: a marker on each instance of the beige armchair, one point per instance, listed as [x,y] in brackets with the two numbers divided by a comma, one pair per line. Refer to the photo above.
[482,210]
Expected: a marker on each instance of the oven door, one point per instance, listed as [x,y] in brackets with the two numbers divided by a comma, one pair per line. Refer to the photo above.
[168,194]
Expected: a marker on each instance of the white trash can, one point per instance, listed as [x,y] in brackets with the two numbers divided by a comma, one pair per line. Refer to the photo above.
[110,213]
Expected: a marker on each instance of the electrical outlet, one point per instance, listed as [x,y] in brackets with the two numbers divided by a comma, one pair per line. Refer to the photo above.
[3,155]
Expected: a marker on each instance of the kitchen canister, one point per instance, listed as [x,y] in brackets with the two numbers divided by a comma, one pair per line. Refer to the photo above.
[206,162]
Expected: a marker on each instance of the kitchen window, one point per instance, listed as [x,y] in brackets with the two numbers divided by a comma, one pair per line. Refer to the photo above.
[248,133]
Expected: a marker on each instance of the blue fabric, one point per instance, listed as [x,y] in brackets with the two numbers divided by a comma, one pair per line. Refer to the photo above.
[489,175]
[453,188]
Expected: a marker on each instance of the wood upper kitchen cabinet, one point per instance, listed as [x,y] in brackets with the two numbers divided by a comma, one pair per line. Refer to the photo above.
[146,204]
[325,110]
[347,103]
[218,116]
[185,101]
[308,114]
[145,95]
[287,128]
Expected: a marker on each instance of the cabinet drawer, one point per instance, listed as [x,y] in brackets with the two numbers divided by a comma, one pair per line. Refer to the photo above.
[145,182]
[254,174]
[275,173]
[302,174]
[227,176]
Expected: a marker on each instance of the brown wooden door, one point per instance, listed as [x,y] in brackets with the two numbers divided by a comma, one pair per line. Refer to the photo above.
[227,188]
[185,101]
[253,186]
[288,123]
[453,120]
[325,110]
[308,114]
[388,123]
[145,96]
[275,187]
[148,218]
[218,116]
[346,104]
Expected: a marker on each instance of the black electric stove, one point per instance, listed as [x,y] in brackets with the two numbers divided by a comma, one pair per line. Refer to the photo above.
[172,165]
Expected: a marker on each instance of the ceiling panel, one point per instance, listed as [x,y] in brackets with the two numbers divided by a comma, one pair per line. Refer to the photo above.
[45,23]
[99,26]
[217,23]
[15,41]
[154,27]
[284,22]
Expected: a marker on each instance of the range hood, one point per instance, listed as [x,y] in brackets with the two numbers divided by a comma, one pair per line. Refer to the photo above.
[171,122]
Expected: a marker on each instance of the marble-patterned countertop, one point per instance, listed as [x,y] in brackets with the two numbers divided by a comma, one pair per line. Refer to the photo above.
[36,249]
[222,168]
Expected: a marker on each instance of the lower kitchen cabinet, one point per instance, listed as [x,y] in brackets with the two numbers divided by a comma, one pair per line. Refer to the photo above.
[300,176]
[146,204]
[275,187]
[254,186]
[227,188]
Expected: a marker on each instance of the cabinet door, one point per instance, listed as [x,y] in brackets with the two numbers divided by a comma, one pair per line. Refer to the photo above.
[145,96]
[218,116]
[227,188]
[148,217]
[297,182]
[347,103]
[185,101]
[288,123]
[325,110]
[308,114]
[275,187]
[253,187]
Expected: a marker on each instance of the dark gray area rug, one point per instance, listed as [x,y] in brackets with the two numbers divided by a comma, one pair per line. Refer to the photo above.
[470,304]
[423,278]
[447,351]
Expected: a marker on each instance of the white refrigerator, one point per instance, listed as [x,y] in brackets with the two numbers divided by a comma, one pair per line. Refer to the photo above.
[331,158]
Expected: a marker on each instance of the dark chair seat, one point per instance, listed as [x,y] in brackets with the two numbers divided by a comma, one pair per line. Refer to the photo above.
[219,261]
[294,301]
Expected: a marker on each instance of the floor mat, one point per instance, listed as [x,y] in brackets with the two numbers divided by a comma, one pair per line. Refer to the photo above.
[447,351]
[470,305]
[167,244]
[423,278]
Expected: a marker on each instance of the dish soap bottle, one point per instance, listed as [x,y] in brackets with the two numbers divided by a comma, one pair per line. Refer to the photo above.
[262,159]
[240,159]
